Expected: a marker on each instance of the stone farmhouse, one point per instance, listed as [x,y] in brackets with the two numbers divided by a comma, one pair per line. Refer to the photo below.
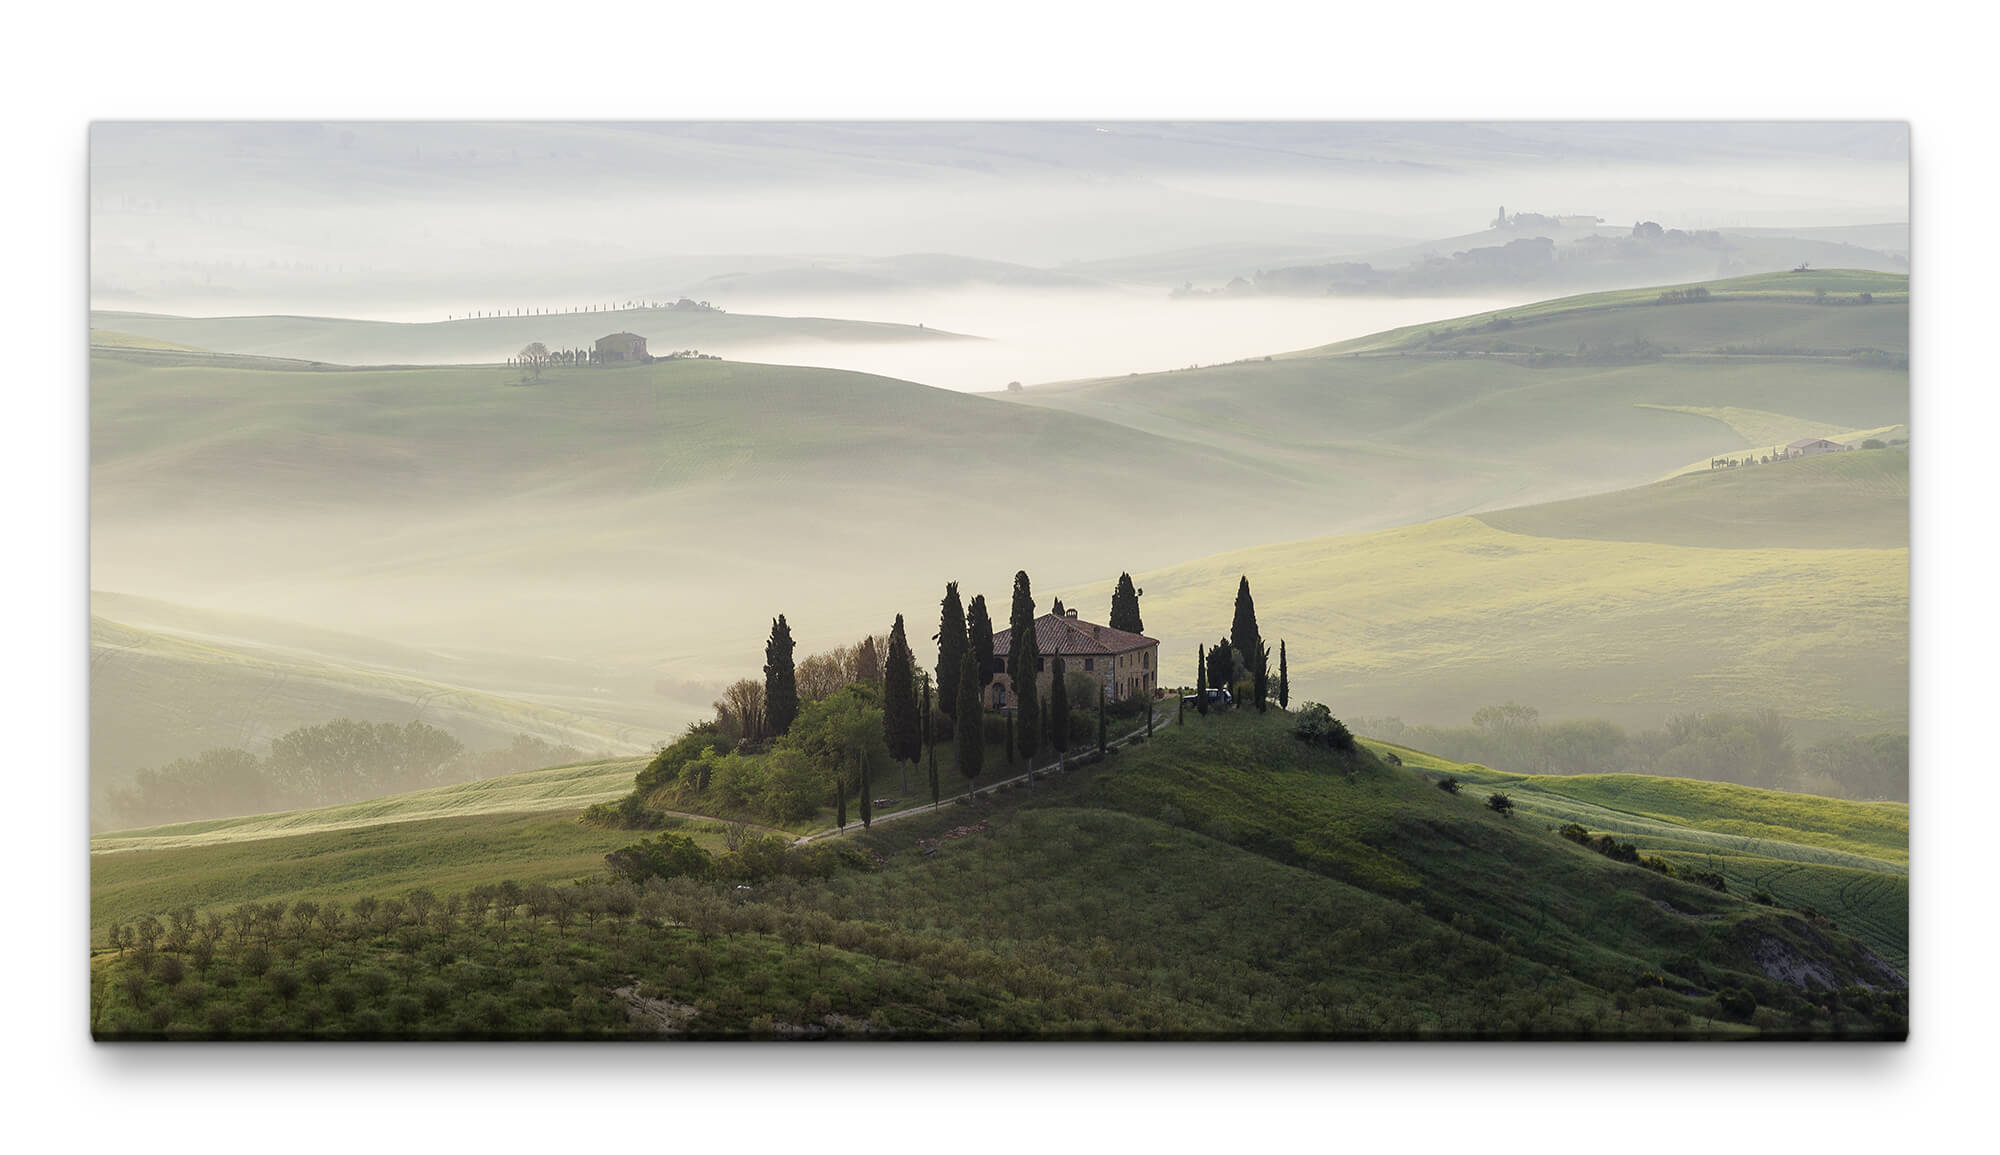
[616,347]
[1127,664]
[1812,446]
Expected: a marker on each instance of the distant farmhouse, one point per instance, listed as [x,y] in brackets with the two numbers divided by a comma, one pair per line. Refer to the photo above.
[1127,664]
[616,347]
[1812,446]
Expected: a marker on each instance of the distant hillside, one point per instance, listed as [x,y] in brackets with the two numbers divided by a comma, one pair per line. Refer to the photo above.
[1782,586]
[651,520]
[1834,501]
[1770,313]
[110,339]
[490,340]
[1535,252]
[158,696]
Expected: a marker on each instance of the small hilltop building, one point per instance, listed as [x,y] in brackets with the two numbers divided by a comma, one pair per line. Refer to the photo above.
[1127,664]
[1812,447]
[621,347]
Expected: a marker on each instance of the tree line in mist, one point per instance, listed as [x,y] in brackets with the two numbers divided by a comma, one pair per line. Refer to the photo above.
[339,761]
[1748,747]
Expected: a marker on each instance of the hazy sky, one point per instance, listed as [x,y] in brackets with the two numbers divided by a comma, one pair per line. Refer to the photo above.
[390,219]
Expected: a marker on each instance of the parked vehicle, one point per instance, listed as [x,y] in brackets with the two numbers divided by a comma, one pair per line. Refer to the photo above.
[1217,696]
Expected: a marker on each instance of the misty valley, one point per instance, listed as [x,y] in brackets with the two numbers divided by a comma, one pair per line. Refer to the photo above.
[1170,616]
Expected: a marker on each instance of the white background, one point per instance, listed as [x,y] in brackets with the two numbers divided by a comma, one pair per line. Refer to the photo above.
[1244,60]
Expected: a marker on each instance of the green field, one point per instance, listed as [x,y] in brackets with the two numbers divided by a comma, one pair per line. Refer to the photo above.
[158,696]
[1712,592]
[111,339]
[558,788]
[1848,860]
[1858,500]
[1220,880]
[488,340]
[1766,310]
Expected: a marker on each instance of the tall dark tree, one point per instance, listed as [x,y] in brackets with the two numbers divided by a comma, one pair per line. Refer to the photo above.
[930,739]
[867,788]
[979,640]
[1058,707]
[1262,686]
[1026,652]
[1201,681]
[951,645]
[1057,608]
[867,661]
[1222,665]
[840,808]
[1011,755]
[1284,680]
[1100,718]
[899,709]
[1125,606]
[970,746]
[781,685]
[1243,637]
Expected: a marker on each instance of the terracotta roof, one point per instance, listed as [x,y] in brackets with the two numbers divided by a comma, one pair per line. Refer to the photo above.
[1803,442]
[1072,636]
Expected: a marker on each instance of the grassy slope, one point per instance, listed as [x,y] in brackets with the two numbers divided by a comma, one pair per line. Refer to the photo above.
[441,853]
[156,697]
[1770,309]
[1839,500]
[1434,620]
[1849,860]
[556,788]
[111,338]
[1217,880]
[491,339]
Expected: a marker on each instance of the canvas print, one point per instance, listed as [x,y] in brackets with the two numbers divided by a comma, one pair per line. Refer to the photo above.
[1051,580]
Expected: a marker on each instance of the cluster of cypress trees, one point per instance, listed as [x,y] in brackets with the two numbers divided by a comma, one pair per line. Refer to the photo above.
[1242,651]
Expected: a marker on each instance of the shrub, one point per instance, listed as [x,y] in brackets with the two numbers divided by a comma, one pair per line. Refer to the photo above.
[1448,784]
[1500,804]
[1316,726]
[668,856]
[1736,1002]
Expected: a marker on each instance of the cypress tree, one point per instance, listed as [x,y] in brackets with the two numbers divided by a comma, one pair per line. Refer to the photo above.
[1262,686]
[970,747]
[1058,707]
[1201,681]
[1057,608]
[1125,607]
[1010,742]
[1100,719]
[867,662]
[867,788]
[930,739]
[1243,629]
[1284,682]
[1222,666]
[1149,717]
[899,709]
[979,637]
[840,812]
[951,645]
[1021,665]
[781,684]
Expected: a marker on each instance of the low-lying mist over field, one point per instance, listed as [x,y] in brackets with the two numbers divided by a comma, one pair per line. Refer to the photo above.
[1308,353]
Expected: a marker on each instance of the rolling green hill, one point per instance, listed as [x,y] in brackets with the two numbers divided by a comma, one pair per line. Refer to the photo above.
[1460,416]
[1836,500]
[491,340]
[157,696]
[1220,880]
[1847,860]
[1784,586]
[1760,312]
